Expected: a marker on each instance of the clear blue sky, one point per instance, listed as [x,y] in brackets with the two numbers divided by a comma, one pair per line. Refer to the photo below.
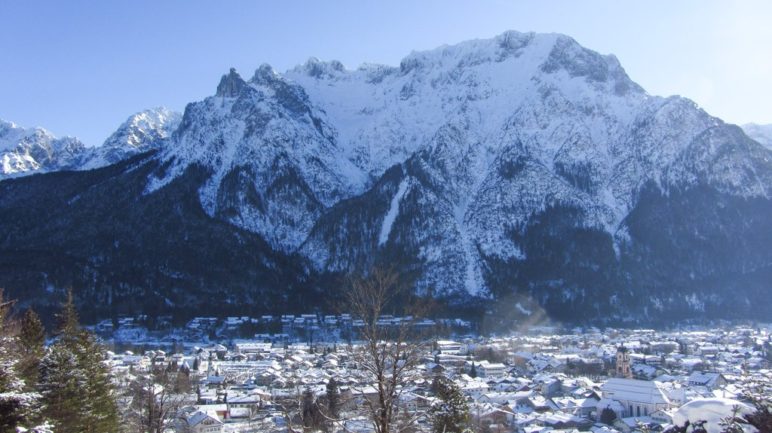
[81,67]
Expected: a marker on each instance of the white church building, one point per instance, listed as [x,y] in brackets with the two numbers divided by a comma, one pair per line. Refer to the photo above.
[637,397]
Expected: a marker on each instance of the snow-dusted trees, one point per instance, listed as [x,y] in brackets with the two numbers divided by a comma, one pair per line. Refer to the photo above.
[61,382]
[391,350]
[450,413]
[67,384]
[155,399]
[17,404]
[75,385]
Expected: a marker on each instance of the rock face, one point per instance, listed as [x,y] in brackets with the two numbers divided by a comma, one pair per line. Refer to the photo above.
[523,167]
[230,85]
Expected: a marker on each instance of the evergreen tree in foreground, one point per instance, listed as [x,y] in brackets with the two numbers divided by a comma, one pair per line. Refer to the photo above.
[762,417]
[32,339]
[451,413]
[78,395]
[17,403]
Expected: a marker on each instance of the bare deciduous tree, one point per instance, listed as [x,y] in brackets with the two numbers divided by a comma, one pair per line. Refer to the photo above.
[385,314]
[156,398]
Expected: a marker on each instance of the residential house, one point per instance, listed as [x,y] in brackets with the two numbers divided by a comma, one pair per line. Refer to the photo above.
[710,380]
[203,422]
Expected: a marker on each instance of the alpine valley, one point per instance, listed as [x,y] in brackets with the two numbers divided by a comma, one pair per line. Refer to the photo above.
[523,171]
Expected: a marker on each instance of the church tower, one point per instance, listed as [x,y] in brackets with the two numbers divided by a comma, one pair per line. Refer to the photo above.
[623,363]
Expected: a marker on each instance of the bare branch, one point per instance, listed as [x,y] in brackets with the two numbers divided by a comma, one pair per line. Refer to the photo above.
[391,347]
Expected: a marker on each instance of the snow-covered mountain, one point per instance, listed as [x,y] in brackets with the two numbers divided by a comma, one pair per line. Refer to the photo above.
[274,161]
[141,132]
[486,133]
[760,133]
[29,150]
[25,151]
[524,165]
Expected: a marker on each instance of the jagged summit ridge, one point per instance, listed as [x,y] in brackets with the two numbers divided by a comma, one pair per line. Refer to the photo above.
[384,118]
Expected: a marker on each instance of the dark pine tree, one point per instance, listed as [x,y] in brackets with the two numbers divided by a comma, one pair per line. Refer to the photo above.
[310,411]
[74,381]
[450,414]
[16,405]
[333,398]
[32,338]
[608,416]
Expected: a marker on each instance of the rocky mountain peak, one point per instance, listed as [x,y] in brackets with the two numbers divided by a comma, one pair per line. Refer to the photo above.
[142,131]
[265,74]
[567,55]
[231,85]
[316,68]
[144,128]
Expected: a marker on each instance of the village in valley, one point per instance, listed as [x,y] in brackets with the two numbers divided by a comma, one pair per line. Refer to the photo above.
[306,376]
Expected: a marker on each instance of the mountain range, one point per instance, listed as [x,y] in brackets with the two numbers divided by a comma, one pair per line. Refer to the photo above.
[506,176]
[25,151]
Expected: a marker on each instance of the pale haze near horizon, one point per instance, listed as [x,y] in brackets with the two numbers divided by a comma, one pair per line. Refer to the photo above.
[80,68]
